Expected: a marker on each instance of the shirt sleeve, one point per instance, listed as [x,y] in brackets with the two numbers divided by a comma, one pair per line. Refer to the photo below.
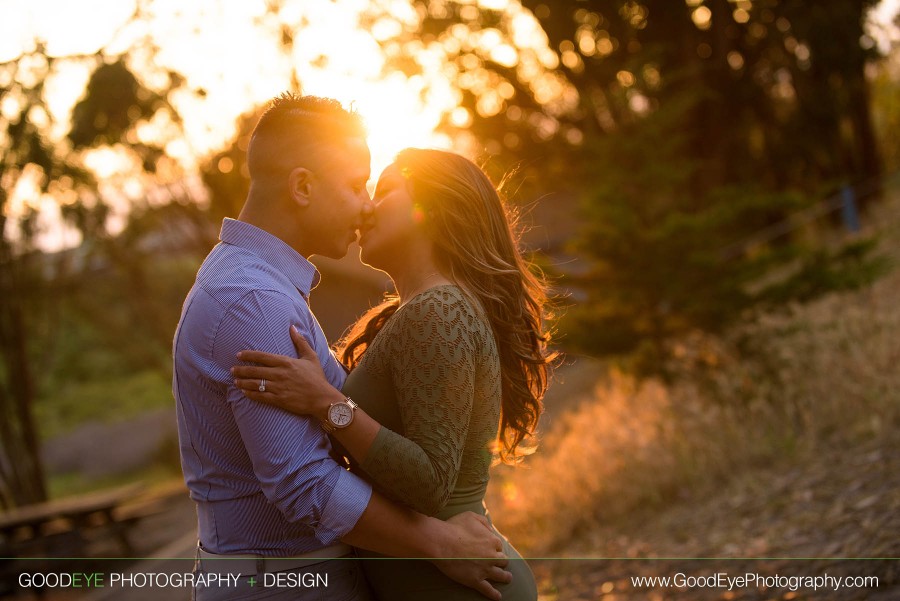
[289,453]
[432,366]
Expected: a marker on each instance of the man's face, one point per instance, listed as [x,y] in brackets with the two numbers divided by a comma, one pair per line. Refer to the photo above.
[340,201]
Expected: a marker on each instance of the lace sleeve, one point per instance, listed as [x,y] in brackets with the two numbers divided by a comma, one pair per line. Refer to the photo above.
[431,358]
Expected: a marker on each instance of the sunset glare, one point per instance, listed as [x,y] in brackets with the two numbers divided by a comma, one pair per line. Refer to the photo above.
[235,56]
[228,50]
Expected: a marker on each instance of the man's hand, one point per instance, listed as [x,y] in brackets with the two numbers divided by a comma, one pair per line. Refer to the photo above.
[479,555]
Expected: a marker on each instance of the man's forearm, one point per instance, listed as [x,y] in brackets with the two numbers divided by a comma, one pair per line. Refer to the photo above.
[390,529]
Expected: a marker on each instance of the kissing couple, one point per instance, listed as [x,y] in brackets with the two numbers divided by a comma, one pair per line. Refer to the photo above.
[307,460]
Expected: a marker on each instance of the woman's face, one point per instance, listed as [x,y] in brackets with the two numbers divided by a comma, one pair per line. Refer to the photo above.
[396,224]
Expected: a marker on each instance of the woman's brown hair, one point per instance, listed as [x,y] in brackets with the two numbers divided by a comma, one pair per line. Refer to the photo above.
[476,246]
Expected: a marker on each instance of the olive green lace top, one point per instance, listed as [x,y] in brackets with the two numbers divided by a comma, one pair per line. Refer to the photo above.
[431,378]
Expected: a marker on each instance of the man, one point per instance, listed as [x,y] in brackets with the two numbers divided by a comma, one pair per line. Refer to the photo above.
[264,483]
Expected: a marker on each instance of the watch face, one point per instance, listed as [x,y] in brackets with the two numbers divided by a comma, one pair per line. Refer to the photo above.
[340,415]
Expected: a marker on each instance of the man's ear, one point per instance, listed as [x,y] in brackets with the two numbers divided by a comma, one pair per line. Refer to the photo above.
[300,185]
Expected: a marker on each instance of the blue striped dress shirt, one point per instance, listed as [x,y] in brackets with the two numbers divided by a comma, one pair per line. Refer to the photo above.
[262,478]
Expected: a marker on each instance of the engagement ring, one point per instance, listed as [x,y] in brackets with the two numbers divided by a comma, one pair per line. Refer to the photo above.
[262,385]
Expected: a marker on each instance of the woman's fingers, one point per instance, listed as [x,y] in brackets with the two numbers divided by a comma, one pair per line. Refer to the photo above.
[252,385]
[254,372]
[304,350]
[265,359]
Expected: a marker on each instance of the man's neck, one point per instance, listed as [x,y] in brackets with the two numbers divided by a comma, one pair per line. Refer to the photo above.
[270,218]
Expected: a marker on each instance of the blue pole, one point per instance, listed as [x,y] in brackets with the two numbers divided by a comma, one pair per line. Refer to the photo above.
[848,209]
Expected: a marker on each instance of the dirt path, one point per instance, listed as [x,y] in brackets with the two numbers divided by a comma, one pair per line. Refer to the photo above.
[836,511]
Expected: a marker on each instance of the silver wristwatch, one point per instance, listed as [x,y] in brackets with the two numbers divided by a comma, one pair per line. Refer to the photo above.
[340,415]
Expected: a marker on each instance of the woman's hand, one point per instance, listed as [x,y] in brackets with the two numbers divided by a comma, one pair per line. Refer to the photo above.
[296,385]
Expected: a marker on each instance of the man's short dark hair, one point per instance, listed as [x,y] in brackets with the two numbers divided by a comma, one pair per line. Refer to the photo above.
[295,125]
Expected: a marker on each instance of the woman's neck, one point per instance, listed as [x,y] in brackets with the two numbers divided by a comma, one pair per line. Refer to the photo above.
[414,279]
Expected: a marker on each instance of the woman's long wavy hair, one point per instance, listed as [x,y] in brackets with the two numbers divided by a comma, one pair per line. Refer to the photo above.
[475,241]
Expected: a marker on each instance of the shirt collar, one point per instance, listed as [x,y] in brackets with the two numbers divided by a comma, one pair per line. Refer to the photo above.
[274,251]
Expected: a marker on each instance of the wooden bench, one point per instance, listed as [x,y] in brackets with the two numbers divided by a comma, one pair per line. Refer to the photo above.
[116,509]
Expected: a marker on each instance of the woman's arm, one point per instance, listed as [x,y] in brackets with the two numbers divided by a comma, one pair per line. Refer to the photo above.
[299,386]
[433,370]
[431,356]
[377,528]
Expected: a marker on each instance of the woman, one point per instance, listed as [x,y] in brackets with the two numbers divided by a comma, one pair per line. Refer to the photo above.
[458,352]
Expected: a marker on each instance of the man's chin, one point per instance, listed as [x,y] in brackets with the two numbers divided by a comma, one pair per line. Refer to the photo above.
[336,253]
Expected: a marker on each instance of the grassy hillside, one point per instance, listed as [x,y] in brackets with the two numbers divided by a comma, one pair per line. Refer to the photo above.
[787,389]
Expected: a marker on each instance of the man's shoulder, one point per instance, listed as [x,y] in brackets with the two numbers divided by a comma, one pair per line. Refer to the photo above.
[230,273]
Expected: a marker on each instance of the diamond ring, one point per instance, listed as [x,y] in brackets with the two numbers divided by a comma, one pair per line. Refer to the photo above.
[262,385]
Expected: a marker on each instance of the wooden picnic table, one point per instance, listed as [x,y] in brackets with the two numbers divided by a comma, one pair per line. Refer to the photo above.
[72,514]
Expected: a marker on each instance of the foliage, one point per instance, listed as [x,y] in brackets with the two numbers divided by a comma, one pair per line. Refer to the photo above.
[823,271]
[815,378]
[684,128]
[72,323]
[658,244]
[102,398]
[886,109]
[38,164]
[226,174]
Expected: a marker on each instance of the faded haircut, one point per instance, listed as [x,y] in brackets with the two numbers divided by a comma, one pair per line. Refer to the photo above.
[294,128]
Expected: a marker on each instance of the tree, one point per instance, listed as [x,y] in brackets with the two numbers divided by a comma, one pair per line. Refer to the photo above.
[38,164]
[682,128]
[28,157]
[127,275]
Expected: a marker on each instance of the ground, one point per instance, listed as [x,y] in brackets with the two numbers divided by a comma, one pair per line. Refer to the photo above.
[809,514]
[828,513]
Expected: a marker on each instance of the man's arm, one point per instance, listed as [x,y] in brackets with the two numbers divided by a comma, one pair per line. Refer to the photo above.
[454,546]
[290,459]
[289,454]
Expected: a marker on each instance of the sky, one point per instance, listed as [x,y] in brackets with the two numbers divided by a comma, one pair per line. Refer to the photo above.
[232,51]
[220,48]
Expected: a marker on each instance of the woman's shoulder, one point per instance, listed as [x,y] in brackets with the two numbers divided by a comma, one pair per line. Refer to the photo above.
[446,302]
[444,313]
[440,324]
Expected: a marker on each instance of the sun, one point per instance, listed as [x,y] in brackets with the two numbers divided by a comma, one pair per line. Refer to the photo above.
[245,63]
[335,57]
[234,59]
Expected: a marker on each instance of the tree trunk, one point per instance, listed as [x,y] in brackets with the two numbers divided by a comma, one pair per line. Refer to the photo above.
[864,140]
[20,463]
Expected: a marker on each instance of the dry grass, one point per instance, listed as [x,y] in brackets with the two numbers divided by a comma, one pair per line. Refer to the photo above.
[784,385]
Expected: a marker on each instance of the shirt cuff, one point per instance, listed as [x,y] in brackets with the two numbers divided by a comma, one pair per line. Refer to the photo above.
[345,506]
